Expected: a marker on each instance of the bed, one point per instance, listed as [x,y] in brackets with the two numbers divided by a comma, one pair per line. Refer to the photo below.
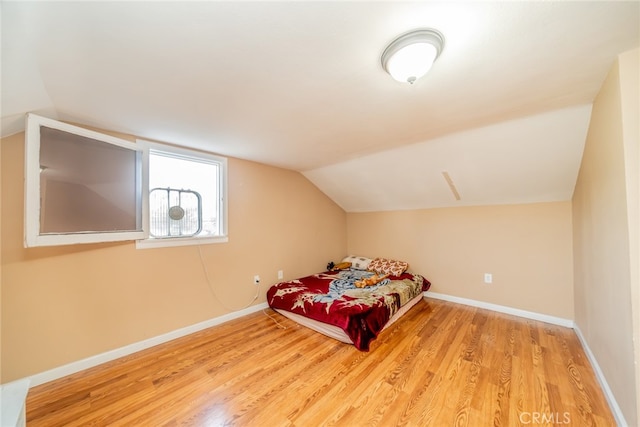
[352,303]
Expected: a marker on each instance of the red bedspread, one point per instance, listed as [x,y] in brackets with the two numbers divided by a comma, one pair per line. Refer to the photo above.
[333,298]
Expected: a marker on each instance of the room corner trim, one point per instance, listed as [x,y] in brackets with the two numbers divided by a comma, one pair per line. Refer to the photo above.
[90,362]
[567,323]
[613,404]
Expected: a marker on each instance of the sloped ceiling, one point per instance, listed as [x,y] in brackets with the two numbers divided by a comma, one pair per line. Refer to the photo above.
[502,115]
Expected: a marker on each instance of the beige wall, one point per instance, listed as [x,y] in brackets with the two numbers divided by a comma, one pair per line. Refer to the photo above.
[527,248]
[63,304]
[630,93]
[1,192]
[603,240]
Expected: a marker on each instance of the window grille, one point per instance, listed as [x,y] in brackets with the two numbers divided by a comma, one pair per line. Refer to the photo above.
[174,213]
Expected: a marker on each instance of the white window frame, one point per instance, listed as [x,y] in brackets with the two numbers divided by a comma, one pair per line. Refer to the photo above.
[33,236]
[147,148]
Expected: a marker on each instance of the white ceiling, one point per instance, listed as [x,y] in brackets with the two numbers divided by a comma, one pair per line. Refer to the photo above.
[504,111]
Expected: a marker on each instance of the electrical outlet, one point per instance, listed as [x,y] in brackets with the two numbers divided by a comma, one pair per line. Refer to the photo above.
[488,277]
[256,280]
[280,275]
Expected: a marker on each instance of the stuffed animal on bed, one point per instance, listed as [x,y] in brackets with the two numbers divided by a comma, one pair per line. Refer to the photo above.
[370,281]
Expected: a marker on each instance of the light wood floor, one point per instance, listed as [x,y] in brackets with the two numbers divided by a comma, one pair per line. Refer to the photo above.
[443,364]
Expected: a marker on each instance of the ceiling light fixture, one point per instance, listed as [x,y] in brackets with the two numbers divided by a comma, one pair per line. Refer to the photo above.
[411,55]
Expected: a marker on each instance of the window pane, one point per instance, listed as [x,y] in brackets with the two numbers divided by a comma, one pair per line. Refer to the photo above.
[180,173]
[86,185]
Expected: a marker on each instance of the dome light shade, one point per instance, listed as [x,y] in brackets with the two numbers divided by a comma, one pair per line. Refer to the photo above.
[411,55]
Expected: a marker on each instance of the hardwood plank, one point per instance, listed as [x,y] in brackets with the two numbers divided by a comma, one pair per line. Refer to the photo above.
[441,364]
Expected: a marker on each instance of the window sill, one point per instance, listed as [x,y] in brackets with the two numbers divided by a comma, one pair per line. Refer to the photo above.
[165,243]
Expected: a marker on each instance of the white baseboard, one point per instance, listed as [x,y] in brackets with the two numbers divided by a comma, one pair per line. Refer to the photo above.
[90,362]
[13,403]
[613,404]
[567,323]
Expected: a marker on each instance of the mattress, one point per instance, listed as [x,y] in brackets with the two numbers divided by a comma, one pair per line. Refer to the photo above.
[357,302]
[337,333]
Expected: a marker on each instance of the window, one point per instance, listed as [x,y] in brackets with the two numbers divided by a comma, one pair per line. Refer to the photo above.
[80,186]
[184,197]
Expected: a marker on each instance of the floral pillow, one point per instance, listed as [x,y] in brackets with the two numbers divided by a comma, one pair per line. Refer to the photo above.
[388,266]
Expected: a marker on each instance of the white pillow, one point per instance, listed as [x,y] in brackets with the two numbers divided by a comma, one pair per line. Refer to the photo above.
[358,262]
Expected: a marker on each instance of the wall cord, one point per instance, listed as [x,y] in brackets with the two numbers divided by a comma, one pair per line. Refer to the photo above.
[278,324]
[213,292]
